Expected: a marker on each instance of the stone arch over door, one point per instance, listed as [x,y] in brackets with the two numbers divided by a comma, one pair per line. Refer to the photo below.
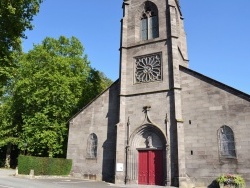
[148,137]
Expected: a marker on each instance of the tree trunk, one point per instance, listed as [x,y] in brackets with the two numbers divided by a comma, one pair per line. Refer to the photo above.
[7,159]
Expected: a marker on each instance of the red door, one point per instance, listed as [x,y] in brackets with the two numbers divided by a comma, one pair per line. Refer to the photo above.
[150,167]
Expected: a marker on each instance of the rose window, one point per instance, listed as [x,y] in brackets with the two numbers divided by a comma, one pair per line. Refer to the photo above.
[148,68]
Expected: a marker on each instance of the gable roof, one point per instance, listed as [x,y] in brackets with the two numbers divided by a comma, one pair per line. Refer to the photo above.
[93,100]
[216,83]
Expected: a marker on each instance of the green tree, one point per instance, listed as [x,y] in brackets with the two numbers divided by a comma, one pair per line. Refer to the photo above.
[15,18]
[52,80]
[8,132]
[96,83]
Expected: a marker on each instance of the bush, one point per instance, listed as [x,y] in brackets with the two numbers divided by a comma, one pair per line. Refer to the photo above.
[231,179]
[44,165]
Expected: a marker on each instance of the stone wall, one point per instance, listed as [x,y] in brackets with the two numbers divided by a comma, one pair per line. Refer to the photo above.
[157,113]
[163,94]
[207,106]
[99,117]
[144,112]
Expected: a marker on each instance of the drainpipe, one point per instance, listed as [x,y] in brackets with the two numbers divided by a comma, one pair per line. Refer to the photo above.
[127,149]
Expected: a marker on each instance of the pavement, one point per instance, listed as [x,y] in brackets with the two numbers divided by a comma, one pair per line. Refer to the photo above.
[59,180]
[7,172]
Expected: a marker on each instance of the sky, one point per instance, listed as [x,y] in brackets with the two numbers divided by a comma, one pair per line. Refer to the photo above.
[218,35]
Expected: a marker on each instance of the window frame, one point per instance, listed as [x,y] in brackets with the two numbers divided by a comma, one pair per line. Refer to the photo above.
[149,27]
[226,143]
[92,145]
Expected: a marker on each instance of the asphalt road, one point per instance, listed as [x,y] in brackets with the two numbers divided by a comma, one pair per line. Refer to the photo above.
[18,182]
[8,180]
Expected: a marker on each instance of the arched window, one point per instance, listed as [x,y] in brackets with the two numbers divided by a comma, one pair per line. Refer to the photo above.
[226,142]
[92,146]
[149,22]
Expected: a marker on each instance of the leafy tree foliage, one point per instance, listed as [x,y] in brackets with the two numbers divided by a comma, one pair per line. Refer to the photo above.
[15,18]
[53,80]
[96,83]
[8,131]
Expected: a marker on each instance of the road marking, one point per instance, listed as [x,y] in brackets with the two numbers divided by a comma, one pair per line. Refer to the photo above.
[69,182]
[111,184]
[4,186]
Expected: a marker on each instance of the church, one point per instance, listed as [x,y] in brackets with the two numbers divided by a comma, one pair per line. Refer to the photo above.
[160,123]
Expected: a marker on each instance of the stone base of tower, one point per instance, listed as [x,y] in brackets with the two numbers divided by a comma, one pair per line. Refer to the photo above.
[185,182]
[119,179]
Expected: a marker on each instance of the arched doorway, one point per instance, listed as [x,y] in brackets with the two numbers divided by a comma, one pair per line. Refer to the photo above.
[147,156]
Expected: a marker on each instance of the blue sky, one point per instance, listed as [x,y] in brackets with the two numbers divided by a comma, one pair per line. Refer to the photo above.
[218,34]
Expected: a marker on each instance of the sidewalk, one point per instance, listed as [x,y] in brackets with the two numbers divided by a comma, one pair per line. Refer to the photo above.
[7,172]
[140,186]
[12,172]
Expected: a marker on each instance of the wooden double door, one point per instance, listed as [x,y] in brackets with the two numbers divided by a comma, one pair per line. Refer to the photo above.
[150,167]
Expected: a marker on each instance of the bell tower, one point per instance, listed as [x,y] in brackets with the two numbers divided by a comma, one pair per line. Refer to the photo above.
[153,46]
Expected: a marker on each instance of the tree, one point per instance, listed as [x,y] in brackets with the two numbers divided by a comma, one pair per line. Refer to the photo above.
[52,80]
[15,18]
[96,83]
[8,132]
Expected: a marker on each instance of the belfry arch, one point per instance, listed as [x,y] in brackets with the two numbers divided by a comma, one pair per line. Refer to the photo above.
[147,138]
[146,22]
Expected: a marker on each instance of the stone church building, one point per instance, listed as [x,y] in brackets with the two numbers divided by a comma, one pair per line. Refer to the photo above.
[160,123]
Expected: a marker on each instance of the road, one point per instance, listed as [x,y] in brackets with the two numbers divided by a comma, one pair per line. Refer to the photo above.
[8,180]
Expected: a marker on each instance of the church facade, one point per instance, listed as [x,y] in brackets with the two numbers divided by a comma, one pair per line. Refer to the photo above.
[160,123]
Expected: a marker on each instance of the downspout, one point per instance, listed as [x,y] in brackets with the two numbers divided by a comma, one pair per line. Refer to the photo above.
[127,149]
